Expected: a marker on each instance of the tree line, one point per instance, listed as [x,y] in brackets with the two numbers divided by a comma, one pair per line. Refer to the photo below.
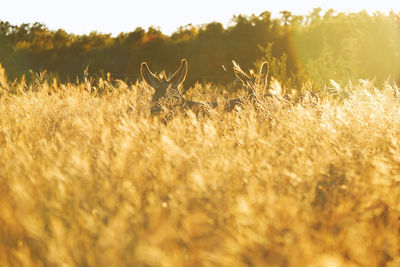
[319,46]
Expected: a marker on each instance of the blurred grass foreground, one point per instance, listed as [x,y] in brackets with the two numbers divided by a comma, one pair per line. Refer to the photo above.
[89,178]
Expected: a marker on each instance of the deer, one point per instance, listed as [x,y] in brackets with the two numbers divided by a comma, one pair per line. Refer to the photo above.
[255,84]
[167,88]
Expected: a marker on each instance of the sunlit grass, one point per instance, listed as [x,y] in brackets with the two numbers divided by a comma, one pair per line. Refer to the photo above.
[88,178]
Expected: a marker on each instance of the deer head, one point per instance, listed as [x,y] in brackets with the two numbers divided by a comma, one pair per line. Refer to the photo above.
[163,85]
[253,81]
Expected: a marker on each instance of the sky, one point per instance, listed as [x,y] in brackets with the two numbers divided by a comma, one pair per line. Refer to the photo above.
[115,16]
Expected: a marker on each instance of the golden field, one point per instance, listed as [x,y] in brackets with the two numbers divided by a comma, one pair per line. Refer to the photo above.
[89,178]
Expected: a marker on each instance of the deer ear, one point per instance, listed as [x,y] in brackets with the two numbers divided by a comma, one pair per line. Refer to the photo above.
[180,75]
[239,73]
[264,70]
[148,76]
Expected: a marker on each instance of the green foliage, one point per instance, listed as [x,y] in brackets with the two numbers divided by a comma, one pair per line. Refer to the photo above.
[317,47]
[347,47]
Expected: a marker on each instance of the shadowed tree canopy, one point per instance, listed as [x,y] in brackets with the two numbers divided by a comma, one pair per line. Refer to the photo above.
[319,46]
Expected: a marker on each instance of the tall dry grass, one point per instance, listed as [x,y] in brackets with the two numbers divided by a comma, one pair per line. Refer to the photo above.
[88,178]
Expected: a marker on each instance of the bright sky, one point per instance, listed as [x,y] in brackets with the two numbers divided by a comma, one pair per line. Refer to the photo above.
[115,16]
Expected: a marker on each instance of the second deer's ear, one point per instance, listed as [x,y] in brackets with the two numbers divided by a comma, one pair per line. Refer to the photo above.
[240,74]
[148,76]
[180,75]
[264,71]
